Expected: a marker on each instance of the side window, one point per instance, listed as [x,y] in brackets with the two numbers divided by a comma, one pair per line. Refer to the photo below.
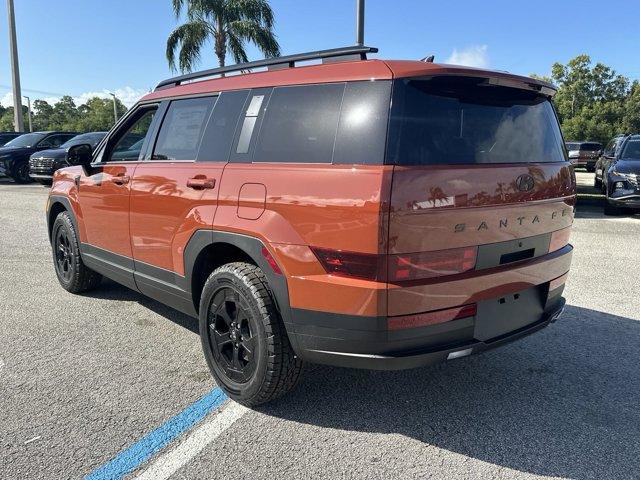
[129,141]
[362,131]
[54,141]
[300,124]
[181,130]
[218,135]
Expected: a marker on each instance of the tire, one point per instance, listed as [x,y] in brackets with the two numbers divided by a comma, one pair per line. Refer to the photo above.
[20,173]
[597,183]
[243,338]
[72,273]
[45,183]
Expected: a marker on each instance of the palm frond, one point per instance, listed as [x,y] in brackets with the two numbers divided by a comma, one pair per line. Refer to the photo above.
[264,38]
[258,11]
[236,48]
[188,39]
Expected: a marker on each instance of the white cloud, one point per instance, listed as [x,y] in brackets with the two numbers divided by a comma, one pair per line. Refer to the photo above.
[471,56]
[127,95]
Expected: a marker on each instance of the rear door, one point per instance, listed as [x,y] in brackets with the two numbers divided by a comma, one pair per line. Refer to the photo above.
[104,195]
[480,181]
[175,189]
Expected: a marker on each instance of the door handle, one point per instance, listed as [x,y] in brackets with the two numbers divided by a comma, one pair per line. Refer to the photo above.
[200,182]
[120,179]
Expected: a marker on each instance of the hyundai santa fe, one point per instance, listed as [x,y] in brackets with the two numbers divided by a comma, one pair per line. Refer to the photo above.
[363,213]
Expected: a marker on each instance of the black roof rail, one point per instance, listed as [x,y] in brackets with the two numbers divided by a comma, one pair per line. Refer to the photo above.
[356,51]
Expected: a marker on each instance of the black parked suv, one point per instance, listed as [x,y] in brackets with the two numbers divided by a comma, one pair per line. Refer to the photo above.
[622,180]
[44,163]
[14,156]
[6,137]
[608,157]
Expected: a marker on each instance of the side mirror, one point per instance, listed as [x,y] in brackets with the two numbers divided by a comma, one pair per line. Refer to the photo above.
[80,155]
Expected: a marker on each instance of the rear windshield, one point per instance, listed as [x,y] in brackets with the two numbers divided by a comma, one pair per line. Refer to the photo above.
[591,147]
[460,120]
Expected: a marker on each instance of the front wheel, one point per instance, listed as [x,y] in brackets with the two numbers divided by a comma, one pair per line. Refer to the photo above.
[72,273]
[243,337]
[20,173]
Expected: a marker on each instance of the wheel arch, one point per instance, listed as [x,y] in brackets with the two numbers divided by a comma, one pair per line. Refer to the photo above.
[209,249]
[57,205]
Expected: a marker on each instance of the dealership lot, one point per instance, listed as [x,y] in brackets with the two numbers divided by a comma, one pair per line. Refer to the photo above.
[84,377]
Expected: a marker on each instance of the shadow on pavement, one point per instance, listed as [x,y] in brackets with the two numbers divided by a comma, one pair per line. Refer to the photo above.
[110,290]
[563,402]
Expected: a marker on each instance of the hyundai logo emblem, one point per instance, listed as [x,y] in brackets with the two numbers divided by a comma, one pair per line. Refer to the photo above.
[525,183]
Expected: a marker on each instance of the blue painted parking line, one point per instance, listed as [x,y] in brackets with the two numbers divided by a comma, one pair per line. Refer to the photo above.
[141,451]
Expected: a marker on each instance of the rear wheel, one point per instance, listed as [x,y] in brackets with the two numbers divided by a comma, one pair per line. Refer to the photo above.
[243,337]
[20,173]
[72,273]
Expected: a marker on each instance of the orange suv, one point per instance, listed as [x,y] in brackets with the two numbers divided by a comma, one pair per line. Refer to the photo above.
[360,213]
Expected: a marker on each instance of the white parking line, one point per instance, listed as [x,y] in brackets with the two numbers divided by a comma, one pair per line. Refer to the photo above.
[169,463]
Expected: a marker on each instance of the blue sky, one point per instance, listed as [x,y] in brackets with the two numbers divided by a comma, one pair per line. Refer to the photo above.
[80,47]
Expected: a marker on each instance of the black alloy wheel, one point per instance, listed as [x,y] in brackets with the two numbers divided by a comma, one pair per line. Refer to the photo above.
[232,335]
[21,173]
[65,258]
[72,273]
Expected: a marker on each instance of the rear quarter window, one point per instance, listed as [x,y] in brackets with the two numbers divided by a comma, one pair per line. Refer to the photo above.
[459,120]
[300,124]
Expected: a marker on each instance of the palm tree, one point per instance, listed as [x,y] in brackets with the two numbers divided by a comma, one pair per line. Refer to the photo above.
[229,23]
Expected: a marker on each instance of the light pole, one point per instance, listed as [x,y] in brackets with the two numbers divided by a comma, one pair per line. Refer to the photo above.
[18,122]
[360,22]
[115,108]
[29,112]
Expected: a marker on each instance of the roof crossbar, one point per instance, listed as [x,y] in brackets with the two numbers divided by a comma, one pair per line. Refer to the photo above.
[289,61]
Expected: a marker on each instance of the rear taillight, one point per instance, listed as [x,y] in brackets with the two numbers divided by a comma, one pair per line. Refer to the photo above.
[350,264]
[559,239]
[431,318]
[397,268]
[415,266]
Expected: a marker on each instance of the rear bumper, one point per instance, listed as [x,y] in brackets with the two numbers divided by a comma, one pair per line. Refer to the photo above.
[428,356]
[327,339]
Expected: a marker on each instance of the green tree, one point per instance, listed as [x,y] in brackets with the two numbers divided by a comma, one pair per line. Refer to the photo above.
[591,100]
[97,114]
[6,118]
[230,24]
[631,117]
[42,115]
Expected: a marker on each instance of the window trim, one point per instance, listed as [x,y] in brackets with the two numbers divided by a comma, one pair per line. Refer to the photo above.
[234,156]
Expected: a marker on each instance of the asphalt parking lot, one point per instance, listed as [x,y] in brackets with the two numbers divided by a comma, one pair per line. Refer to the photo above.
[83,378]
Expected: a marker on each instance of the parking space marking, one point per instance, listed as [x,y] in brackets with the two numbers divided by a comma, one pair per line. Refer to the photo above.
[169,463]
[133,457]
